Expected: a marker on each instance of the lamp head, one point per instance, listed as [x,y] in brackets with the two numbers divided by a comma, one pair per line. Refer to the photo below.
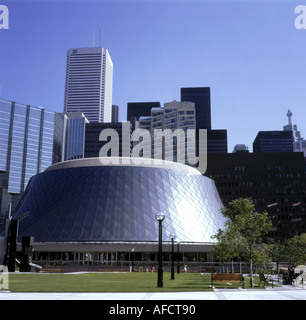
[160,217]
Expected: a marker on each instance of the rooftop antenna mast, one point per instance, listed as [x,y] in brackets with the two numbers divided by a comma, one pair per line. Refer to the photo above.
[100,38]
[94,40]
[289,115]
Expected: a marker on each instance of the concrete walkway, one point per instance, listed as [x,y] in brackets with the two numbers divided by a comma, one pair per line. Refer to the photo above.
[276,293]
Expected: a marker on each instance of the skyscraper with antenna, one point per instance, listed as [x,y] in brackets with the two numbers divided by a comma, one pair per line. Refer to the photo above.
[89,83]
[299,144]
[293,128]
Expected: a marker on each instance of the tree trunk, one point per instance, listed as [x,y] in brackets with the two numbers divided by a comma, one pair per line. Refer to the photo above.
[251,267]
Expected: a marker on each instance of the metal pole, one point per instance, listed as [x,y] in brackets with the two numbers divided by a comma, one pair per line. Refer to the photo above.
[178,257]
[133,259]
[172,259]
[160,263]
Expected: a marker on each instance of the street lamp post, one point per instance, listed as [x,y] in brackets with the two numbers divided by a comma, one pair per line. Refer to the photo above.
[132,259]
[160,218]
[172,256]
[178,257]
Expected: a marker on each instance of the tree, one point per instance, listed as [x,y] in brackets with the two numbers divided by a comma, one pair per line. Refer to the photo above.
[251,225]
[221,250]
[278,252]
[262,255]
[229,246]
[297,249]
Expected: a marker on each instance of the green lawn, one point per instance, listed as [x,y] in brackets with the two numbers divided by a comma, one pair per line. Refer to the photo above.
[111,282]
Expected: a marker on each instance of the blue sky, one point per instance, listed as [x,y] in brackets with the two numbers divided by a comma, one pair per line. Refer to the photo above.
[248,52]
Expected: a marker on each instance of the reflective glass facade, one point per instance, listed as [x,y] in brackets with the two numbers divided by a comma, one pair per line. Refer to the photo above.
[5,119]
[73,135]
[273,141]
[85,201]
[26,142]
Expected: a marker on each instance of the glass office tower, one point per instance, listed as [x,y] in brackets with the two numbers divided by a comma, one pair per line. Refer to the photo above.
[216,139]
[73,135]
[273,141]
[30,140]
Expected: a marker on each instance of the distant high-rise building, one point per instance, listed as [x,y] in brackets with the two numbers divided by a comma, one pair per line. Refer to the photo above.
[135,110]
[217,141]
[275,181]
[240,148]
[73,135]
[174,115]
[293,128]
[93,144]
[89,83]
[115,113]
[201,98]
[273,141]
[299,144]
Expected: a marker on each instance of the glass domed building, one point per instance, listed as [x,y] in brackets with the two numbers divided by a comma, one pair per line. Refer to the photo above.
[93,211]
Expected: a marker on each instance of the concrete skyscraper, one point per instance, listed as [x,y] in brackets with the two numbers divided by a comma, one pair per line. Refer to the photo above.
[174,115]
[89,83]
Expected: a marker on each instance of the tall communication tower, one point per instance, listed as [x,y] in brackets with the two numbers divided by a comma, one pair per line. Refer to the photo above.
[289,115]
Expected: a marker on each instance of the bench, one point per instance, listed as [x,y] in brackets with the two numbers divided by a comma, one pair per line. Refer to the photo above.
[227,277]
[112,270]
[50,270]
[207,270]
[264,279]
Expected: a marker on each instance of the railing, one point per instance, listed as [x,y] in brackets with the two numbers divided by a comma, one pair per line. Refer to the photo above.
[195,266]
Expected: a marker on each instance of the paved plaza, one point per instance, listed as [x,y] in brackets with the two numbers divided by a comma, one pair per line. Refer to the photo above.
[269,293]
